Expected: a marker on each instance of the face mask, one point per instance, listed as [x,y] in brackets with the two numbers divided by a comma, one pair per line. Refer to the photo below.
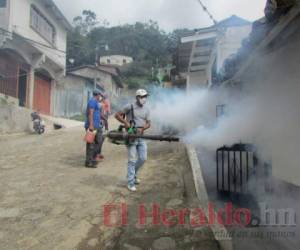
[143,100]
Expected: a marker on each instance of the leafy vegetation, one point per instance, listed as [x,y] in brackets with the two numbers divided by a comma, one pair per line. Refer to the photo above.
[149,46]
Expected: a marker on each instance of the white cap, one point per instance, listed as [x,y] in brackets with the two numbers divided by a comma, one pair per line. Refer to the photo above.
[141,92]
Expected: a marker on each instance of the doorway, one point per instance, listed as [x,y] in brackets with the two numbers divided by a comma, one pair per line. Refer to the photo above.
[22,87]
[42,94]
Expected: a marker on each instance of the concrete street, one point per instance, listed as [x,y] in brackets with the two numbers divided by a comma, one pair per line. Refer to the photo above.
[48,200]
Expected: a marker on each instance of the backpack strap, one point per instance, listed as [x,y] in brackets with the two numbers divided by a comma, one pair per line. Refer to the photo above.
[132,121]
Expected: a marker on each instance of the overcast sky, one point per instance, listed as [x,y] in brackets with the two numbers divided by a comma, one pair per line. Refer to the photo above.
[170,14]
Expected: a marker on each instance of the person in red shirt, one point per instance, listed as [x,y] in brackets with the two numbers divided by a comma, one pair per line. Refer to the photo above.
[106,106]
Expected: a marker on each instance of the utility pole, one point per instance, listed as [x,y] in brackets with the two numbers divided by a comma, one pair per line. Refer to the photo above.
[97,49]
[96,64]
[97,58]
[96,55]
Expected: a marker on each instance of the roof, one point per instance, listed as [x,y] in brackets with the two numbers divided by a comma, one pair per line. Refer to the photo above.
[79,76]
[113,71]
[265,32]
[109,69]
[233,21]
[185,49]
[58,14]
[117,55]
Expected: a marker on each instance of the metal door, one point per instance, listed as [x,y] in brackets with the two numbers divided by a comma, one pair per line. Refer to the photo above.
[42,95]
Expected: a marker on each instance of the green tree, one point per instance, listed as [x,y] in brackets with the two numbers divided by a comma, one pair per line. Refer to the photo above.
[150,46]
[78,45]
[86,22]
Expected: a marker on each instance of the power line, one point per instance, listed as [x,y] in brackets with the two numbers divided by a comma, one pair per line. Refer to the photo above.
[32,41]
[205,9]
[72,46]
[42,44]
[38,44]
[2,76]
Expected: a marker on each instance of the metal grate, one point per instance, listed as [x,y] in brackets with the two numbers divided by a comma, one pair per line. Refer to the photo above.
[236,167]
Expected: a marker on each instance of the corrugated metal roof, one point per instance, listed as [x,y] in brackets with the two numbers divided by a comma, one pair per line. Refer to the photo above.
[113,71]
[233,21]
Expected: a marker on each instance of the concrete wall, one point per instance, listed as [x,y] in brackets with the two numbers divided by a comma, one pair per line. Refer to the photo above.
[68,103]
[277,71]
[71,96]
[231,42]
[4,16]
[5,99]
[197,79]
[14,119]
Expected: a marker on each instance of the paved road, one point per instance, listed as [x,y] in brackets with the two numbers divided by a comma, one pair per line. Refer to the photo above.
[48,200]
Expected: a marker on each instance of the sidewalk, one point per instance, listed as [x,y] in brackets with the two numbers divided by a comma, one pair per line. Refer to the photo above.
[65,123]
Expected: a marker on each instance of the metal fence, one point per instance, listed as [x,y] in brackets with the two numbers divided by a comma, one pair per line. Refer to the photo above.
[239,170]
[68,103]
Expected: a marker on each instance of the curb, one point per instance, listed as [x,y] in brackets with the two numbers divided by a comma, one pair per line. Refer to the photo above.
[218,230]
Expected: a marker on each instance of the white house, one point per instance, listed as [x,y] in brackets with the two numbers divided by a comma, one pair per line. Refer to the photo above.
[117,60]
[32,51]
[204,52]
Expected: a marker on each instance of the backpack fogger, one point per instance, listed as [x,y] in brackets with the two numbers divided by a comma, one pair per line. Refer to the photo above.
[127,137]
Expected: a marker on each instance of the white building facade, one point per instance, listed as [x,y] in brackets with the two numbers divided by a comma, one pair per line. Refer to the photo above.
[210,47]
[33,36]
[117,60]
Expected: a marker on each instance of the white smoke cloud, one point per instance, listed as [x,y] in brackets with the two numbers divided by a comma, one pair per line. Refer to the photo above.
[266,112]
[179,110]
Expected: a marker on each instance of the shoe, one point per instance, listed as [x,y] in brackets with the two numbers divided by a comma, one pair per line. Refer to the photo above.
[131,188]
[137,181]
[91,164]
[98,158]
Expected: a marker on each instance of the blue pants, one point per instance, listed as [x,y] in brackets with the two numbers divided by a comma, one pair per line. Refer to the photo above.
[137,155]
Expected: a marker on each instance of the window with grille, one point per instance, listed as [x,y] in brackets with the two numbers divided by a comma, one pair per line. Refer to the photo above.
[41,25]
[2,3]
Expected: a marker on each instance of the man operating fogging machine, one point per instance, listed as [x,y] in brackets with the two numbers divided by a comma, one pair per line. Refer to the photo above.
[135,115]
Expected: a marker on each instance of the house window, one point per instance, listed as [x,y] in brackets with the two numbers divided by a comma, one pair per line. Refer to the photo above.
[108,61]
[41,25]
[2,3]
[124,61]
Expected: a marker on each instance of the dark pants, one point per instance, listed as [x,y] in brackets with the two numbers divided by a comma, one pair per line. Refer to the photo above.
[94,149]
